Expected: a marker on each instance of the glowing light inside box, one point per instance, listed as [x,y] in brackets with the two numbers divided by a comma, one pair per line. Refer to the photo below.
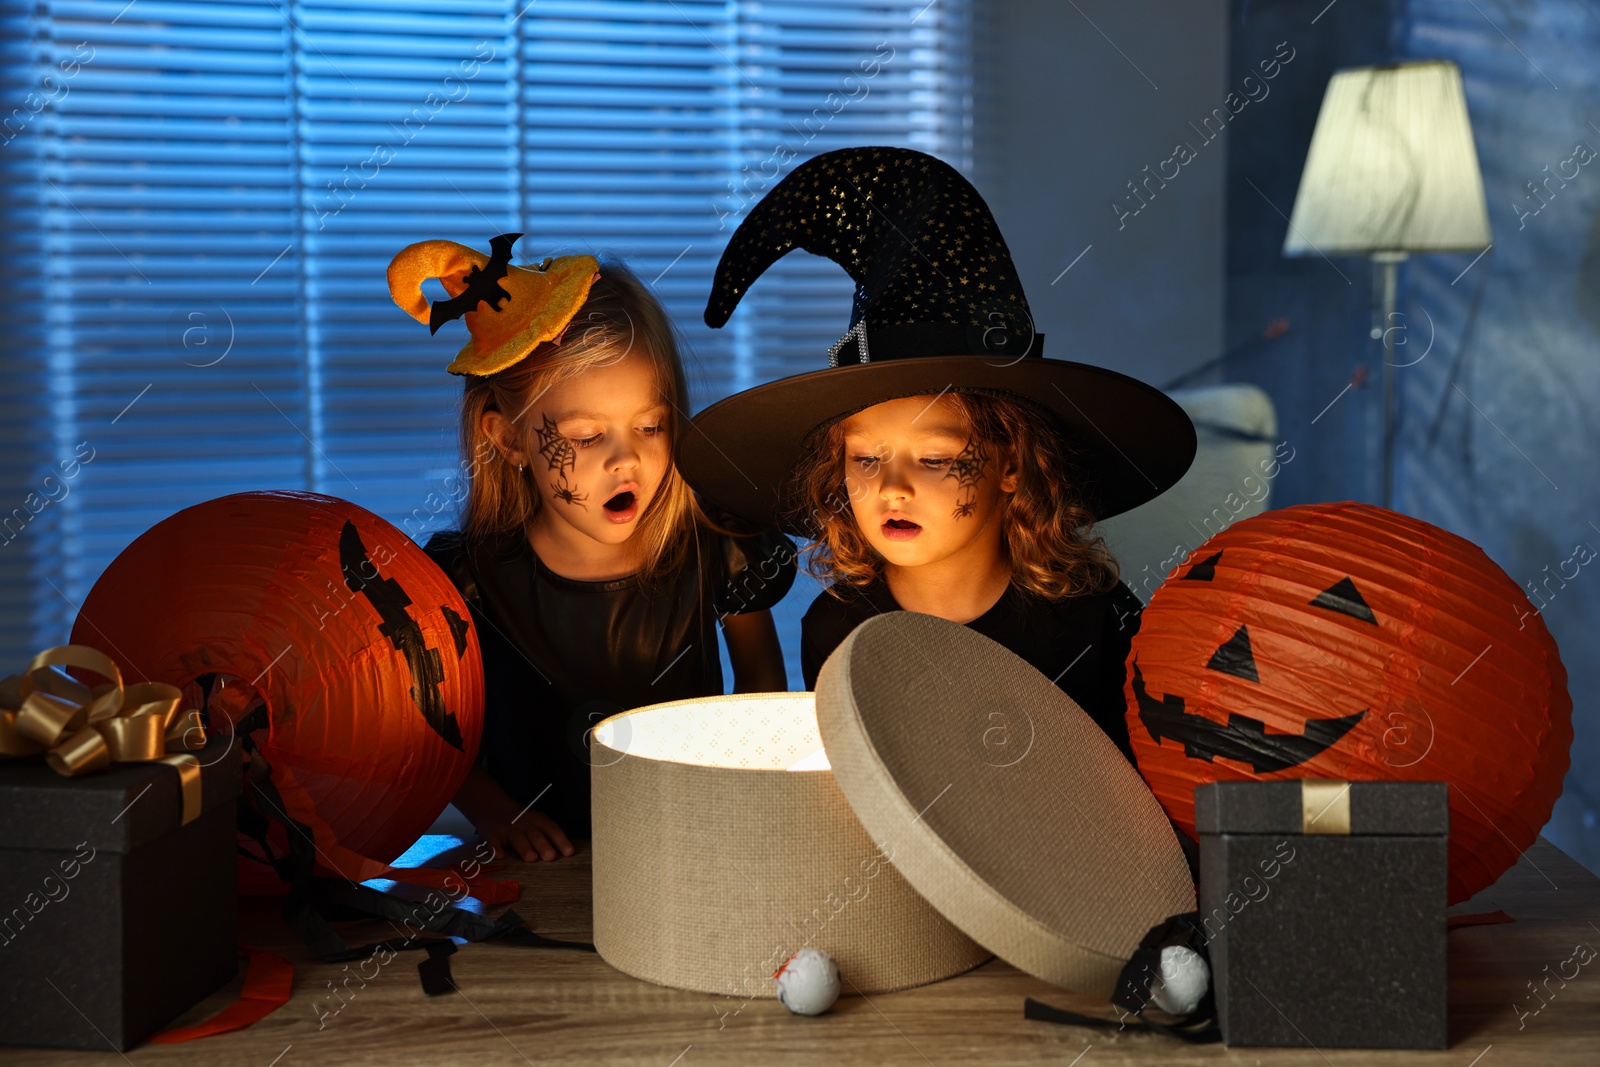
[754,731]
[817,761]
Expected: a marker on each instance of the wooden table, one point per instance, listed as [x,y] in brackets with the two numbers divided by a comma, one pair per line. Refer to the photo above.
[519,1006]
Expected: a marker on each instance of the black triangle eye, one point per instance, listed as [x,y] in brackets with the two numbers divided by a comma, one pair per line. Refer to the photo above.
[1342,597]
[1205,570]
[1234,657]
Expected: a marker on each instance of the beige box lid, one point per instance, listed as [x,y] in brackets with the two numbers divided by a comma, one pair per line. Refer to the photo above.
[1006,806]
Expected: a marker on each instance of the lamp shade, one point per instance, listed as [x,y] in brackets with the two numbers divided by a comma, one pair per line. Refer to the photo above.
[1392,167]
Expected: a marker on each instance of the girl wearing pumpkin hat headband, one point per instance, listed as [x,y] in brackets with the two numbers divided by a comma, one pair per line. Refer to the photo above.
[940,463]
[593,578]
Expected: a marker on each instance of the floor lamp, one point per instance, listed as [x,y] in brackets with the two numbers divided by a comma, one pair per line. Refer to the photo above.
[1391,171]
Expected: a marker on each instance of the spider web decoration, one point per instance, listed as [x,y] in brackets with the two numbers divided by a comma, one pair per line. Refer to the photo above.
[561,457]
[556,449]
[967,470]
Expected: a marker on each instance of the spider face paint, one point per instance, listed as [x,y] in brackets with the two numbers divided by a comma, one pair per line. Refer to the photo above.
[603,438]
[968,469]
[561,457]
[915,473]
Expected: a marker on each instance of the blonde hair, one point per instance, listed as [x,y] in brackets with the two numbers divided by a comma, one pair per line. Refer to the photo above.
[620,316]
[1045,527]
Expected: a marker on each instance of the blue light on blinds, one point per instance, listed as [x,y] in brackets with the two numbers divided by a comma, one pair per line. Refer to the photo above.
[200,198]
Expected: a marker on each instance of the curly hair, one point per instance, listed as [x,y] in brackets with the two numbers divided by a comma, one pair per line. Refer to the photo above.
[1046,529]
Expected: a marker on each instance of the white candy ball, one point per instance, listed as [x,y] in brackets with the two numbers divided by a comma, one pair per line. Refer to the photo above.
[808,983]
[1183,982]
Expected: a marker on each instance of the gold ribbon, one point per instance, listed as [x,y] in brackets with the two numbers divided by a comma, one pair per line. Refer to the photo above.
[82,730]
[1324,806]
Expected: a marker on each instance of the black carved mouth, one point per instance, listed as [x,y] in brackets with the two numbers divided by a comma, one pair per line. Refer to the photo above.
[621,502]
[1244,738]
[1241,738]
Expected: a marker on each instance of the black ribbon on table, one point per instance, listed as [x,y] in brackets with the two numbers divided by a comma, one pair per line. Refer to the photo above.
[314,902]
[1132,993]
[435,970]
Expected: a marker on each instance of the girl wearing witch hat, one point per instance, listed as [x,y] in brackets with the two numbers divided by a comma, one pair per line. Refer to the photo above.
[940,463]
[595,583]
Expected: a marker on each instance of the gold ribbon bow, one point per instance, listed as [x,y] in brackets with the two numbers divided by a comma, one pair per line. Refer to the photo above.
[81,730]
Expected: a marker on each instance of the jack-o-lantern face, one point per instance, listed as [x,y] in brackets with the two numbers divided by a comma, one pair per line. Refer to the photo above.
[1348,642]
[388,598]
[1241,737]
[343,650]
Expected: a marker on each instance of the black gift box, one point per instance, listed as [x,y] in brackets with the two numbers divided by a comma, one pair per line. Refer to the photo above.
[114,918]
[1320,937]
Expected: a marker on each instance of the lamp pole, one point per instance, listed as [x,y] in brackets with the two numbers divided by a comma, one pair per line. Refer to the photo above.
[1385,277]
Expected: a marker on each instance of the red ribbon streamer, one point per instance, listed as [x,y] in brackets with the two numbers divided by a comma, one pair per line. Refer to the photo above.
[268,983]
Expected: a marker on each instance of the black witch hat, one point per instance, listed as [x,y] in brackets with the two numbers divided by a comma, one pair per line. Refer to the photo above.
[938,306]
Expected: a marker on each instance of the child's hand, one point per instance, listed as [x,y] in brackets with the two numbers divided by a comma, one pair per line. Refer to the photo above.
[533,835]
[511,828]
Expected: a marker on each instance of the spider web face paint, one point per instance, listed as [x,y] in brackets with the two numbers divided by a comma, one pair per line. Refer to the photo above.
[561,457]
[967,469]
[556,449]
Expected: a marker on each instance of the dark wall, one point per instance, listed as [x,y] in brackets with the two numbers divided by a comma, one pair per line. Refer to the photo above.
[1297,326]
[1086,96]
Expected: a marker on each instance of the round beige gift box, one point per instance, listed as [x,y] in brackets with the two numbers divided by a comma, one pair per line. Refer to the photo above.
[936,802]
[714,862]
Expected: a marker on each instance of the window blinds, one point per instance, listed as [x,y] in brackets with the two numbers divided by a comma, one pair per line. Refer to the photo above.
[201,197]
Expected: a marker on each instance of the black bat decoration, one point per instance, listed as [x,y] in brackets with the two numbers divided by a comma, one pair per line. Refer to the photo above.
[483,285]
[391,601]
[1243,738]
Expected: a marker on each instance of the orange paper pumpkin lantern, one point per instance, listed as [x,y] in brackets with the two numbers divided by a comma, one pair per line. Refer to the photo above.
[356,643]
[1349,642]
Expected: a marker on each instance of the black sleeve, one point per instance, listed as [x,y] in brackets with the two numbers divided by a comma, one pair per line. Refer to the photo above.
[447,549]
[442,546]
[758,569]
[821,630]
[1120,623]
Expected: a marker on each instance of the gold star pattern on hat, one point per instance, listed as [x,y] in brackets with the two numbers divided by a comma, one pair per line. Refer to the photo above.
[887,216]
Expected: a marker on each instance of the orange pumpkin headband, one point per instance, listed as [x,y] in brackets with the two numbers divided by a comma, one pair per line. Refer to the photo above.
[509,310]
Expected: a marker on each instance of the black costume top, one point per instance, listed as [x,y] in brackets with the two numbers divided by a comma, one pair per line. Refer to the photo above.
[1080,642]
[560,654]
